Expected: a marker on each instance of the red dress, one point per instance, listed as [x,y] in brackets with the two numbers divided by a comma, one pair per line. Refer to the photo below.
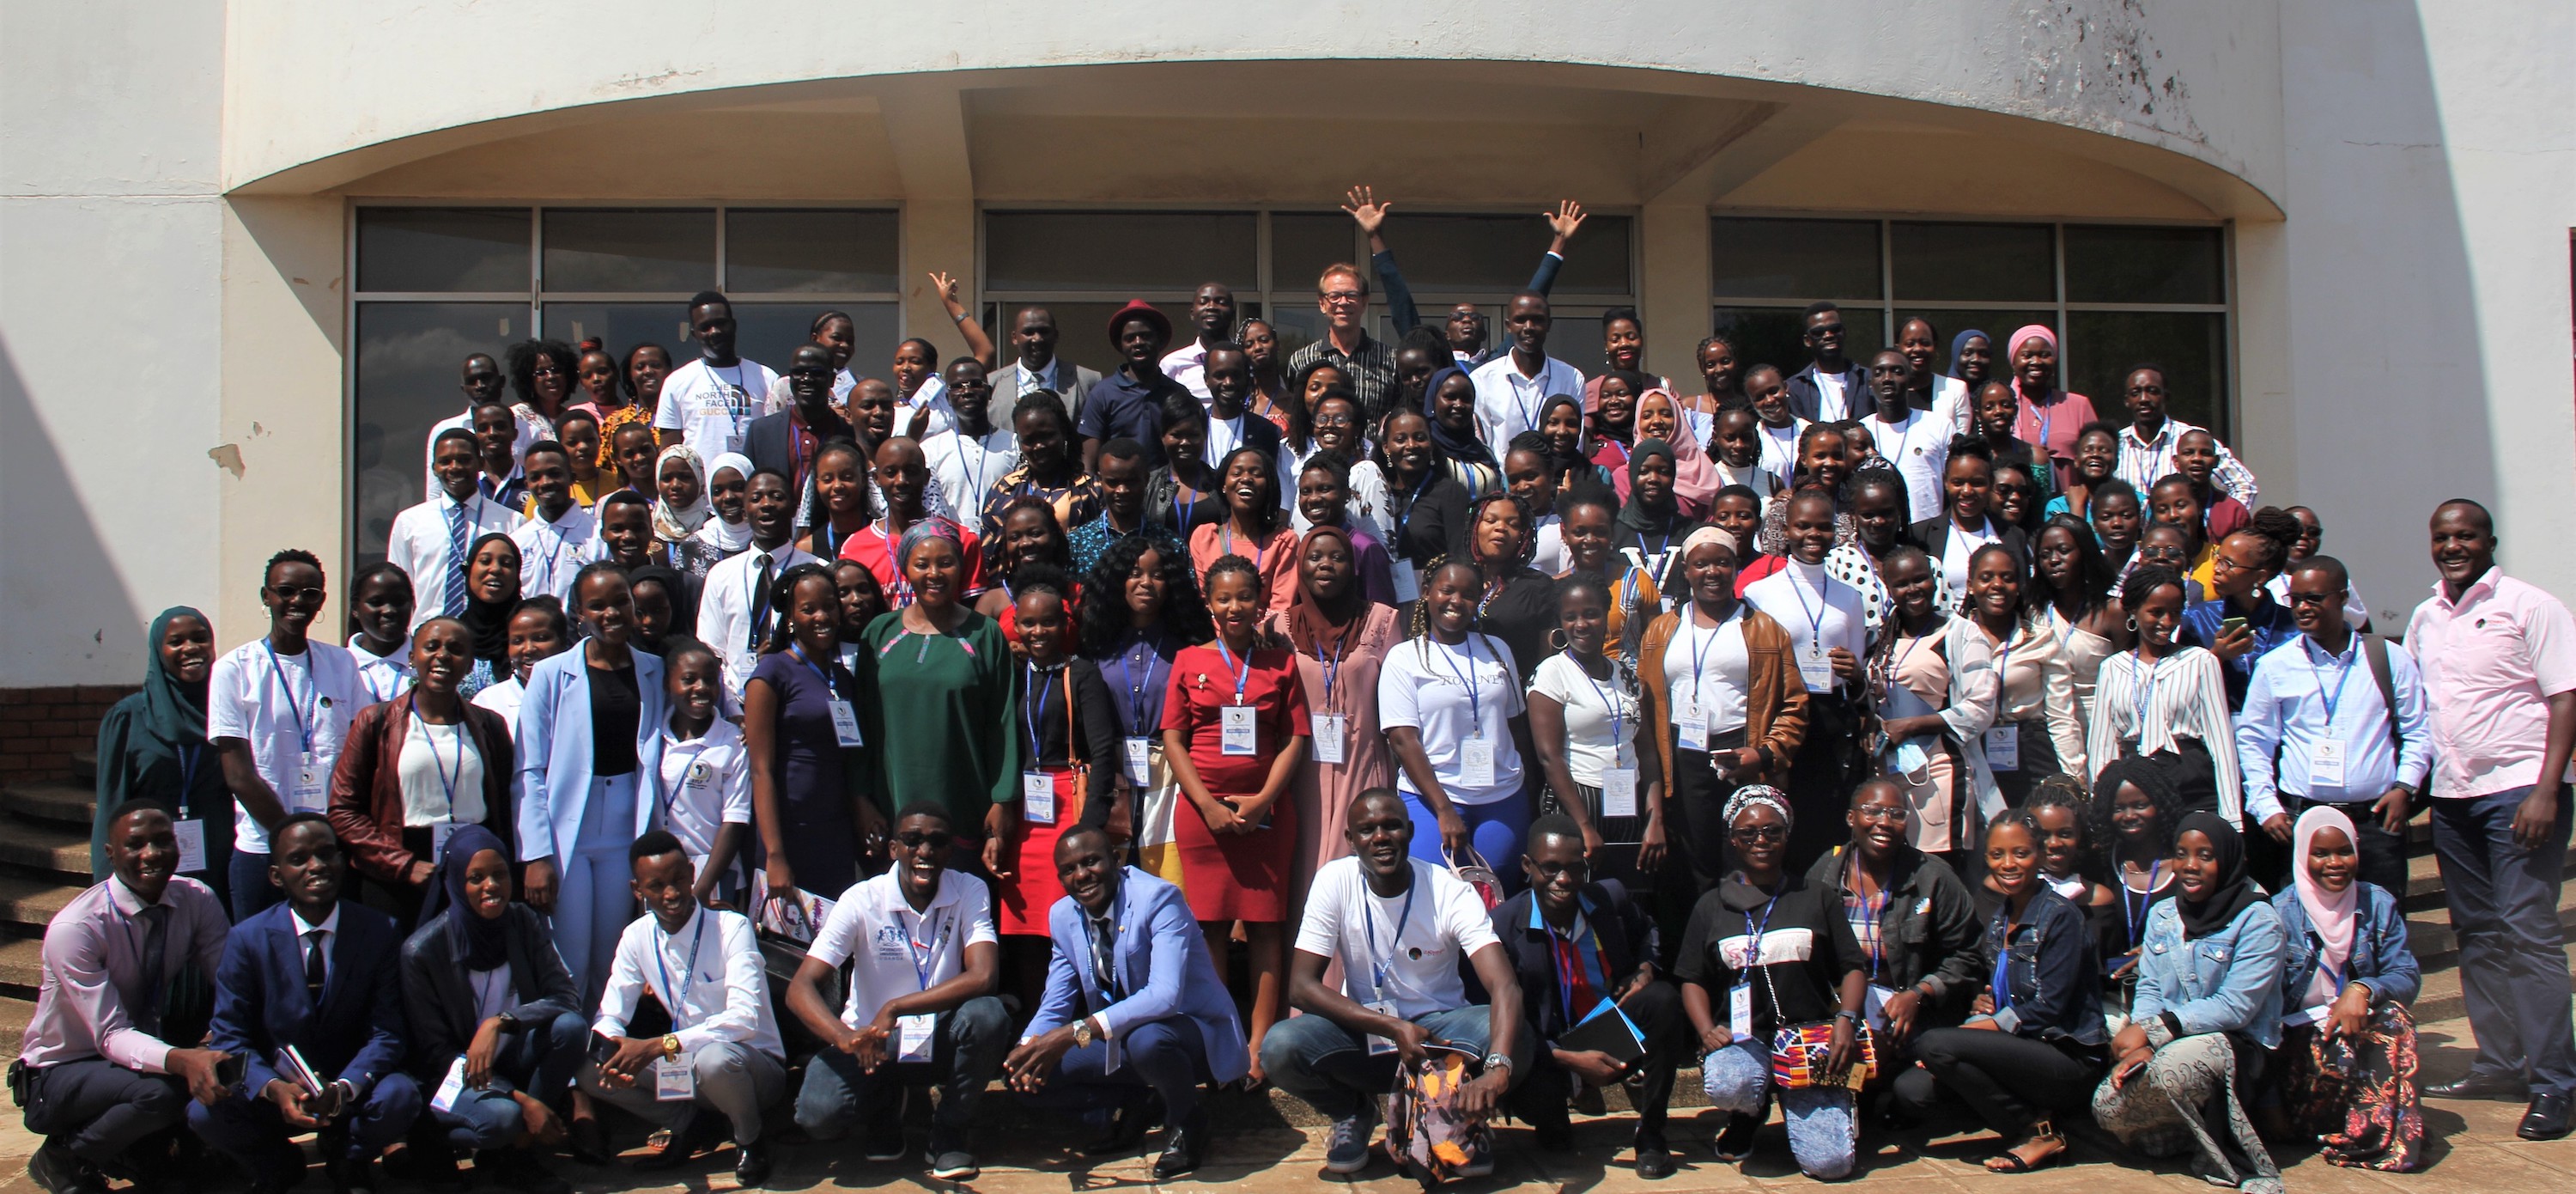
[1237,877]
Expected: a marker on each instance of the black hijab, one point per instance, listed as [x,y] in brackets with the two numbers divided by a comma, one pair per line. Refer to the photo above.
[2235,892]
[488,622]
[1635,514]
[1468,448]
[480,944]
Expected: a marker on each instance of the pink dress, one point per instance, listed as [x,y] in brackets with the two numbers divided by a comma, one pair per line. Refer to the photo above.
[1322,791]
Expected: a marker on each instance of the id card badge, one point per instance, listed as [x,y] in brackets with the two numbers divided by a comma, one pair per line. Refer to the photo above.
[1690,726]
[1239,739]
[1619,791]
[2325,765]
[1037,798]
[845,724]
[1140,761]
[1739,1010]
[439,832]
[312,772]
[2003,748]
[1329,731]
[673,1080]
[1874,1006]
[1816,668]
[913,1036]
[450,1087]
[1476,762]
[1378,1045]
[1407,585]
[192,845]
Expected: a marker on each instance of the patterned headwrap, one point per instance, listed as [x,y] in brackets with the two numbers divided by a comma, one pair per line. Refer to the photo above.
[1763,794]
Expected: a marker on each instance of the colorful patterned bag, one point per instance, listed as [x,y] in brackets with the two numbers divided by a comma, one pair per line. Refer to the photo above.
[1427,1130]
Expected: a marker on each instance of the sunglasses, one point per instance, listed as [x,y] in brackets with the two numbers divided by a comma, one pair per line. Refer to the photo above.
[1759,833]
[936,839]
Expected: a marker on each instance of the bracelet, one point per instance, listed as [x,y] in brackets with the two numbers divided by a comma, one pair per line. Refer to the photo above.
[961,317]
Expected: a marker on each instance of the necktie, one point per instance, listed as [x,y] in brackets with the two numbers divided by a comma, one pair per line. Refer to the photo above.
[1104,960]
[313,970]
[760,599]
[456,546]
[156,943]
[1030,381]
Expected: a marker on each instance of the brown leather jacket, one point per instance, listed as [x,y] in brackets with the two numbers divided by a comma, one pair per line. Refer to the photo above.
[366,785]
[1775,703]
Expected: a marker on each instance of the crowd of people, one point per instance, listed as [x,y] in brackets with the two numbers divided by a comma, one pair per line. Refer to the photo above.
[720,746]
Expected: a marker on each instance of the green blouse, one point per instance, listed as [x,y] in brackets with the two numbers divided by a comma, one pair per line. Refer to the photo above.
[941,721]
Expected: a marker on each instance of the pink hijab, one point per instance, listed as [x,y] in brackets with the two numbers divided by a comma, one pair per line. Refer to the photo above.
[2331,914]
[1695,479]
[2029,331]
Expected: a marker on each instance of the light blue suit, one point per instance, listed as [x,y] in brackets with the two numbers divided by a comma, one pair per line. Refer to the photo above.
[557,818]
[1174,1023]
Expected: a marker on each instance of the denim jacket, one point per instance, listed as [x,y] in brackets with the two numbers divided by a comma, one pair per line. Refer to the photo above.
[2228,981]
[2380,957]
[2056,986]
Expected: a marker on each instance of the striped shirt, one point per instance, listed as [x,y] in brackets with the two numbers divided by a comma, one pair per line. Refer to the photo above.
[2141,708]
[2143,462]
[1370,370]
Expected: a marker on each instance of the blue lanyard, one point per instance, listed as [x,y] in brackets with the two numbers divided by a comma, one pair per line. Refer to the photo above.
[1136,689]
[925,955]
[1467,680]
[2333,975]
[1816,615]
[679,992]
[1187,512]
[2146,701]
[1385,962]
[1699,646]
[1753,935]
[2334,696]
[1033,710]
[1617,740]
[1242,671]
[1401,520]
[445,780]
[1332,668]
[2136,913]
[1655,570]
[1228,533]
[2002,980]
[831,691]
[277,670]
[733,410]
[188,756]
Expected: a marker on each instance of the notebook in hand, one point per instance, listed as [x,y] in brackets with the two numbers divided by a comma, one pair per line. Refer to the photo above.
[1607,1030]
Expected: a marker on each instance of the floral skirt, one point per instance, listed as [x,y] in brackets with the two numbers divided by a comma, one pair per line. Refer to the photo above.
[2358,1097]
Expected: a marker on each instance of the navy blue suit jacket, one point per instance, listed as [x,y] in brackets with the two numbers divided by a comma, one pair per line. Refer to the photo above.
[261,1006]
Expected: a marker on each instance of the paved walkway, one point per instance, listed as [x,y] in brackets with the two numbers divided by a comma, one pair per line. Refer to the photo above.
[2475,1152]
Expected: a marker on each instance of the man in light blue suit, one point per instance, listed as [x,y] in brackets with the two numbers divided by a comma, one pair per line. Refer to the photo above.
[589,728]
[1134,1007]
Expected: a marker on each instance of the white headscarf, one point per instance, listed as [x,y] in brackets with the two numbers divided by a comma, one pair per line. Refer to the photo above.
[669,525]
[730,537]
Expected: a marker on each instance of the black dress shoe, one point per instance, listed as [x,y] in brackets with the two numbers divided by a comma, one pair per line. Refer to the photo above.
[58,1170]
[1126,1126]
[2482,1086]
[2547,1118]
[352,1175]
[1654,1162]
[1182,1147]
[751,1165]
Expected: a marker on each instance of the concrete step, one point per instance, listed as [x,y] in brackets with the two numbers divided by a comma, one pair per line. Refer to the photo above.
[2429,934]
[55,801]
[85,768]
[46,850]
[14,1014]
[22,966]
[29,904]
[2424,880]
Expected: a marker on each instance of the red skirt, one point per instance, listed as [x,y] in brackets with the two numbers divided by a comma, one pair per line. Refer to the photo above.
[1240,876]
[1023,900]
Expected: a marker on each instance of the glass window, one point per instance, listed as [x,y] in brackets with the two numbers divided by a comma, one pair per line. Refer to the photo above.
[409,357]
[623,326]
[443,249]
[1992,263]
[1793,259]
[1776,335]
[1947,323]
[1302,245]
[1122,252]
[1492,254]
[2132,264]
[630,249]
[837,251]
[769,333]
[2101,346]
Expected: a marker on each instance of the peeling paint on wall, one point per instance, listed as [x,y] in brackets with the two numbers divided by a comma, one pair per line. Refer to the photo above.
[2098,57]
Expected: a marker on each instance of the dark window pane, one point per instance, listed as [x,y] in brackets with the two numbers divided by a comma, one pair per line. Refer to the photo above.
[1997,325]
[623,326]
[640,249]
[1497,254]
[1793,259]
[2102,345]
[1990,263]
[442,248]
[1302,245]
[409,358]
[1082,335]
[2128,264]
[769,332]
[843,251]
[1774,335]
[1119,252]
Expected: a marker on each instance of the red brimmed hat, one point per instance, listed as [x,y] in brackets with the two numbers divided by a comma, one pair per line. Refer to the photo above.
[1135,307]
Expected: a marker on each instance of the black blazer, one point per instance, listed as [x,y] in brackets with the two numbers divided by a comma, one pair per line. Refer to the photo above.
[1627,934]
[1805,400]
[770,441]
[438,999]
[1933,536]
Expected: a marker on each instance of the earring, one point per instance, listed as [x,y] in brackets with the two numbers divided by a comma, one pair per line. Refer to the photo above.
[2133,625]
[1556,638]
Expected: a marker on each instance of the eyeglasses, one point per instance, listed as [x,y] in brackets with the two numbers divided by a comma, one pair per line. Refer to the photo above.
[1342,296]
[1759,833]
[937,839]
[1872,812]
[297,595]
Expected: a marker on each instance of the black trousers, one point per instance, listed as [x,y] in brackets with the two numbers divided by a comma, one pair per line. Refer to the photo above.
[1821,777]
[2009,1081]
[1539,1099]
[1695,831]
[100,1109]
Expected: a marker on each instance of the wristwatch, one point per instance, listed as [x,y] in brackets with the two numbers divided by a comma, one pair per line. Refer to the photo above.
[671,1046]
[1082,1033]
[1501,1061]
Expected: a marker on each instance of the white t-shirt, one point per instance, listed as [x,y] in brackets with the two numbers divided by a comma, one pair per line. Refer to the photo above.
[386,676]
[966,469]
[1957,548]
[706,785]
[1833,404]
[1224,436]
[1780,449]
[1819,612]
[552,553]
[1428,685]
[896,951]
[1709,668]
[781,396]
[1549,556]
[263,699]
[442,775]
[1594,709]
[710,406]
[1919,447]
[938,414]
[1443,926]
[504,698]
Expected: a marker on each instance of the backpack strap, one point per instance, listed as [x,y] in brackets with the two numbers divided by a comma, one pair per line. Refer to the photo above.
[2374,651]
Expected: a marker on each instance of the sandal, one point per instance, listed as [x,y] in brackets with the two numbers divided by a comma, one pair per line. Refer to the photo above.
[2011,1160]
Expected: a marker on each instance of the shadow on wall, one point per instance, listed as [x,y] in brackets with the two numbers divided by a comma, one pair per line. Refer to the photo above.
[56,573]
[2384,314]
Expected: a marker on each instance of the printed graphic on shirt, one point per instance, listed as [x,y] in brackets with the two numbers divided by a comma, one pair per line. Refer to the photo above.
[1778,946]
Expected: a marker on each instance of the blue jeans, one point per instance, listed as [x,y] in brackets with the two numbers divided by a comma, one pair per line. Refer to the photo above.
[1331,1068]
[967,1048]
[252,892]
[248,1129]
[1822,1131]
[1166,1057]
[2513,958]
[539,1059]
[1495,829]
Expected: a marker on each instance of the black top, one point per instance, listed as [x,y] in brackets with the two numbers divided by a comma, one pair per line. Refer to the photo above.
[1927,929]
[615,706]
[1166,507]
[1432,527]
[1809,944]
[1522,615]
[1094,720]
[438,992]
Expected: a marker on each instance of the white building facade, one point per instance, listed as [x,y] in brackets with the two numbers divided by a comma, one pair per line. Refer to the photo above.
[244,246]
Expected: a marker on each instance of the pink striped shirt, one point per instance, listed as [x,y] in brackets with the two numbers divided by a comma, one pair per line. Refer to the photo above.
[2491,660]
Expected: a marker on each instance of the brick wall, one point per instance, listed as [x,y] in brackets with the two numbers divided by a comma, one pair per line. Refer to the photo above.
[41,727]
